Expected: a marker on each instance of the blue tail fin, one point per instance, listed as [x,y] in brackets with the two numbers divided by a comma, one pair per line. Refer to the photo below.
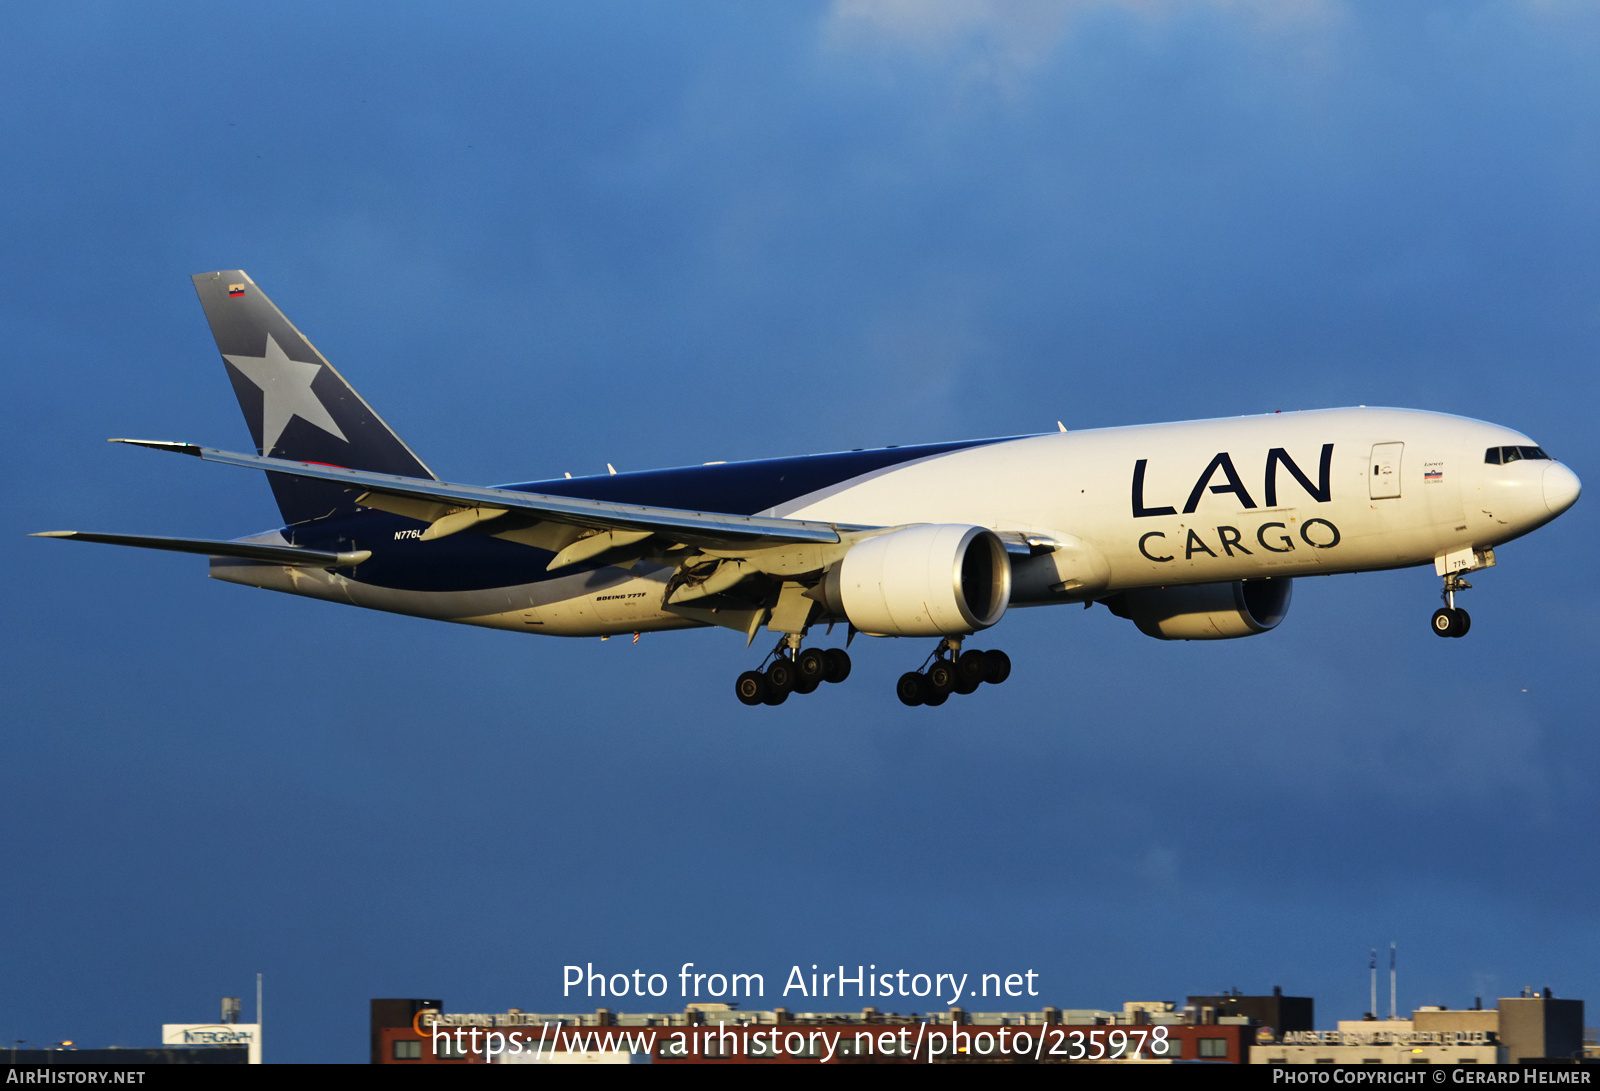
[296,404]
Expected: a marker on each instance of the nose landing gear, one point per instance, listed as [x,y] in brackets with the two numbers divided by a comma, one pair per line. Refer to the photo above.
[1450,620]
[952,671]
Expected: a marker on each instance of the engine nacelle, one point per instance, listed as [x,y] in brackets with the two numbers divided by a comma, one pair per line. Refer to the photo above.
[937,580]
[1206,611]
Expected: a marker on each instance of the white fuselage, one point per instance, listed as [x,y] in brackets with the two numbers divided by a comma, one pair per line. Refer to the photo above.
[1135,507]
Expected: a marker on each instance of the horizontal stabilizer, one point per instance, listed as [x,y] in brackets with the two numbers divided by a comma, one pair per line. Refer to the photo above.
[698,527]
[250,551]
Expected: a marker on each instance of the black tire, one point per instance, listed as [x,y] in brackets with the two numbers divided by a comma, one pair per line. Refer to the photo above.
[781,676]
[812,667]
[997,666]
[1463,623]
[1444,622]
[751,688]
[971,668]
[912,689]
[838,665]
[775,698]
[802,686]
[941,678]
[936,699]
[965,686]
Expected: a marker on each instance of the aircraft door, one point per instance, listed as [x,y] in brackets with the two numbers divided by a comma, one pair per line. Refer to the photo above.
[1384,480]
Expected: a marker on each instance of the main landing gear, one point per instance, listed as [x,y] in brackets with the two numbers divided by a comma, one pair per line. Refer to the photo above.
[1449,620]
[952,671]
[789,670]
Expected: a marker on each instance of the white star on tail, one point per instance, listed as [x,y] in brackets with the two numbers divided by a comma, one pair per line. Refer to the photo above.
[285,392]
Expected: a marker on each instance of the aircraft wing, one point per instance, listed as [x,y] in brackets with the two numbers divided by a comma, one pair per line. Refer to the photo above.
[471,504]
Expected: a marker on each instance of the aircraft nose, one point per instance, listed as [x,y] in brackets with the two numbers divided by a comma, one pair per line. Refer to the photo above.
[1561,488]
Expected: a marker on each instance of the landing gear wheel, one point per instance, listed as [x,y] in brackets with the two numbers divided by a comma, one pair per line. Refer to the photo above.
[1445,623]
[997,667]
[751,687]
[781,676]
[812,668]
[801,685]
[941,679]
[775,697]
[838,665]
[912,689]
[970,670]
[936,698]
[1463,622]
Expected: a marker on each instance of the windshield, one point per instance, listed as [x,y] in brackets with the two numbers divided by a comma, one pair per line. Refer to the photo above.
[1499,456]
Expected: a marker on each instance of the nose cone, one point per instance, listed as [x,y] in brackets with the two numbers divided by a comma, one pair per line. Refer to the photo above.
[1561,488]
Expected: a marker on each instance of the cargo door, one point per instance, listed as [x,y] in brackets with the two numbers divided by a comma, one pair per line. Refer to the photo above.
[1384,480]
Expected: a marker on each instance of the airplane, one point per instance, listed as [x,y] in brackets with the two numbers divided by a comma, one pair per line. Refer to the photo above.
[1193,531]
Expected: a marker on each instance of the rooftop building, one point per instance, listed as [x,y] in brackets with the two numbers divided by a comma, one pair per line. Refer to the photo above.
[1517,1029]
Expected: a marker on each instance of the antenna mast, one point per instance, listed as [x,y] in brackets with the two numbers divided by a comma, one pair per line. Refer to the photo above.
[1392,1012]
[1373,1006]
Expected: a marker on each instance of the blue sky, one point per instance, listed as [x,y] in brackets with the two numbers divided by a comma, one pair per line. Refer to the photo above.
[543,239]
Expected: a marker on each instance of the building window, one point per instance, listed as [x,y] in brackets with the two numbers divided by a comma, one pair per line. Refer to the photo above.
[1213,1047]
[449,1050]
[1171,1049]
[407,1049]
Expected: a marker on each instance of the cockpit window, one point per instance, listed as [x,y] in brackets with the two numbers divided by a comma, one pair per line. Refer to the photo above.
[1499,456]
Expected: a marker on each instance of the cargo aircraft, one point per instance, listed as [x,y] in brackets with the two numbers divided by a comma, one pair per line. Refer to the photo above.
[1192,531]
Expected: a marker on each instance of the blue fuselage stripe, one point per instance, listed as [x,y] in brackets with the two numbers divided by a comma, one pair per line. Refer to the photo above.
[472,562]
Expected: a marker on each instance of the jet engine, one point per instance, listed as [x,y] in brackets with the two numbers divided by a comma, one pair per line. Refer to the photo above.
[1206,611]
[934,580]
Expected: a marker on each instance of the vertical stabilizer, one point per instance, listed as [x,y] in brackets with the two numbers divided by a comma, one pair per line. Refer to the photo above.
[296,405]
